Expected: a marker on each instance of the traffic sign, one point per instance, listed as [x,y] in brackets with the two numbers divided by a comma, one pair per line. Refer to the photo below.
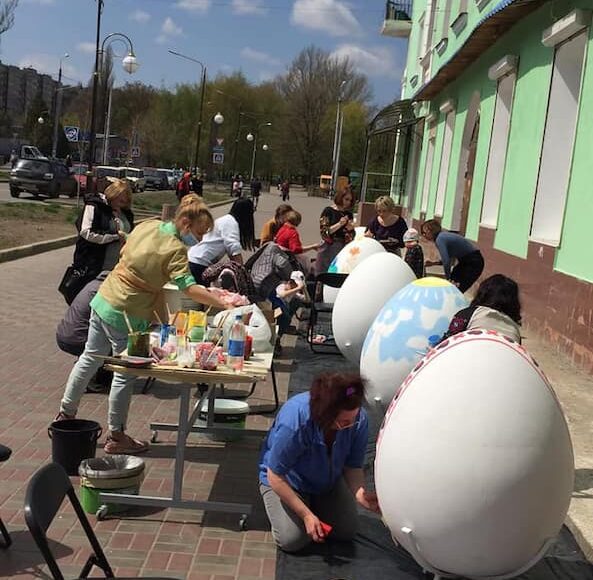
[218,158]
[220,141]
[218,149]
[135,151]
[72,134]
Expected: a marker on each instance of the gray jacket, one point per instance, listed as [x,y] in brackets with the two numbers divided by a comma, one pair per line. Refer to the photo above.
[74,327]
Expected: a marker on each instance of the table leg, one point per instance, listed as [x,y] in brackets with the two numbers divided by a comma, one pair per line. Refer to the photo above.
[180,444]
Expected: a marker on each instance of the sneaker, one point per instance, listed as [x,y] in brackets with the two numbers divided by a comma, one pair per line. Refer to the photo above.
[61,416]
[126,445]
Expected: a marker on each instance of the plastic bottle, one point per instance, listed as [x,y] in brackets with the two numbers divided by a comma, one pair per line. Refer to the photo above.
[236,348]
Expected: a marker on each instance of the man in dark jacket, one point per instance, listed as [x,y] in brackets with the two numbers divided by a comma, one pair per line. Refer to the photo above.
[73,329]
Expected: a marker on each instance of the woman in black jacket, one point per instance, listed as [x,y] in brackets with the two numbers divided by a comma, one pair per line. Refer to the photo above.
[102,228]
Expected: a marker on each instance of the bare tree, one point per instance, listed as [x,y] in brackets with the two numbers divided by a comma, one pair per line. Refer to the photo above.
[311,88]
[7,8]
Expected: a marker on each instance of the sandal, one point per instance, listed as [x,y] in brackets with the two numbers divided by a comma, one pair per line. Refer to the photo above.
[125,446]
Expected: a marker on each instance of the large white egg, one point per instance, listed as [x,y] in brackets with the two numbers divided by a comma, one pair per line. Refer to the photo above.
[474,467]
[362,296]
[348,258]
[413,319]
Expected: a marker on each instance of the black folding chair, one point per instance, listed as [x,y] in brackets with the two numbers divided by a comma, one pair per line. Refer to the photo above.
[5,453]
[321,313]
[45,493]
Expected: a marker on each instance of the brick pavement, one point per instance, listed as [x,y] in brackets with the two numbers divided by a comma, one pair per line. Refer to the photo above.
[177,543]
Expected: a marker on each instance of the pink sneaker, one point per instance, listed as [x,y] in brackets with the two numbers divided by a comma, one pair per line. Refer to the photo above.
[125,445]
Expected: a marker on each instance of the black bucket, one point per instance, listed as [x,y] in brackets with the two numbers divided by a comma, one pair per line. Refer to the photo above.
[73,440]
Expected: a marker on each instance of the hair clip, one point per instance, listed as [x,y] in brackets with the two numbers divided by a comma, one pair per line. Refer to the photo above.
[350,391]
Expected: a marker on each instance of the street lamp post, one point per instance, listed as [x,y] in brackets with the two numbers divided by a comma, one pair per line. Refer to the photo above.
[337,139]
[202,93]
[57,107]
[253,138]
[130,65]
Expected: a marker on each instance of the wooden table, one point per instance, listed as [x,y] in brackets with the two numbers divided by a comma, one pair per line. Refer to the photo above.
[256,369]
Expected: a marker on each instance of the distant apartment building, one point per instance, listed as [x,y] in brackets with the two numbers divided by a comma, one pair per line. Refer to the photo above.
[18,87]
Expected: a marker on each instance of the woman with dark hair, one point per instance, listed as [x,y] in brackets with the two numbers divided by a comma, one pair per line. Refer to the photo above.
[231,234]
[310,468]
[496,306]
[271,227]
[336,227]
[451,246]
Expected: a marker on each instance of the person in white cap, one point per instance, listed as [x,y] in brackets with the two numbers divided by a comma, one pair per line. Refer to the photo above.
[414,254]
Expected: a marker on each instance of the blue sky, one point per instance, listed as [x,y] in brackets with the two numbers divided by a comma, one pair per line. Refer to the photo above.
[259,37]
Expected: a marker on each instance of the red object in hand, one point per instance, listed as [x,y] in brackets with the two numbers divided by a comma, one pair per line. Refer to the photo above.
[326,528]
[248,346]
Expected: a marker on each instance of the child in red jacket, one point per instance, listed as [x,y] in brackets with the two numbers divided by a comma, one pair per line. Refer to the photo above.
[288,236]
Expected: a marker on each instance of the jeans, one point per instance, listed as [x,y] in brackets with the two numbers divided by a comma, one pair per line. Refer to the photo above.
[336,508]
[102,340]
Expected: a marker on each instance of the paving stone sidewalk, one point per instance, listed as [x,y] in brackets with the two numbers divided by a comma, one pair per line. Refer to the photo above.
[177,543]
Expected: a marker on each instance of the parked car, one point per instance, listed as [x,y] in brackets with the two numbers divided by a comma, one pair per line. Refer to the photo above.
[136,178]
[171,179]
[80,170]
[42,176]
[106,174]
[155,178]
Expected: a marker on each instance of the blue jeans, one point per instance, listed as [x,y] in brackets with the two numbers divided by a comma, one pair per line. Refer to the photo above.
[103,339]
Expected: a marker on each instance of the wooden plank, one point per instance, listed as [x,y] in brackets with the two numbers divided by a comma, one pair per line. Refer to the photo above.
[255,369]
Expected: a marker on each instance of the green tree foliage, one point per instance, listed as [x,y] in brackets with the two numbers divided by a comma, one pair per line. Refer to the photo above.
[301,105]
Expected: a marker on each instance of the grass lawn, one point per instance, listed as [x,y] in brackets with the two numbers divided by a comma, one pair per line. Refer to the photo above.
[27,223]
[154,200]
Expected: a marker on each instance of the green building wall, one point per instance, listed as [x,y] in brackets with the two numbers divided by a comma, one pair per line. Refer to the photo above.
[526,133]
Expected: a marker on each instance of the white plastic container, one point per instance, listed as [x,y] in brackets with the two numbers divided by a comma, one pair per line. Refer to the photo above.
[228,413]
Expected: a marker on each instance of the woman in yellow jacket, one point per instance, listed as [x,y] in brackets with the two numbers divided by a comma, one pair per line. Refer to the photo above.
[155,253]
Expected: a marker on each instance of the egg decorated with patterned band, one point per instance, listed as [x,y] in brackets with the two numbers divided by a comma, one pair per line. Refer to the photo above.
[410,321]
[349,257]
[474,467]
[362,296]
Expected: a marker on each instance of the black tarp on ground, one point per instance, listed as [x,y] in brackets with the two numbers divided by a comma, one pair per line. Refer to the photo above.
[372,555]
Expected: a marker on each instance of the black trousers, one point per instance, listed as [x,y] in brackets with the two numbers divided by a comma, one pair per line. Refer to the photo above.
[468,270]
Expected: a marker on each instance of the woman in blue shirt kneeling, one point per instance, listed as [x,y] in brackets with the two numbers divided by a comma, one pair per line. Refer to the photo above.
[310,469]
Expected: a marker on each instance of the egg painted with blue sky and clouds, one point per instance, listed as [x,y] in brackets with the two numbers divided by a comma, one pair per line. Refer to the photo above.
[413,319]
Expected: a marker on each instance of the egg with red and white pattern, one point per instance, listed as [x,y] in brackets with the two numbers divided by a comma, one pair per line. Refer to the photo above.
[474,468]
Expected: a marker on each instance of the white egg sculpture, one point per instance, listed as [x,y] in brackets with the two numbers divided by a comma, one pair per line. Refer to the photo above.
[362,296]
[413,319]
[474,468]
[349,257]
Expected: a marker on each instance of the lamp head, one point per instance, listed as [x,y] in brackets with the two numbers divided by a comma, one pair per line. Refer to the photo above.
[40,120]
[265,147]
[130,63]
[250,137]
[218,118]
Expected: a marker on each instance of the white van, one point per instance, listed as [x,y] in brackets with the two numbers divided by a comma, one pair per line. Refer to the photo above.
[136,178]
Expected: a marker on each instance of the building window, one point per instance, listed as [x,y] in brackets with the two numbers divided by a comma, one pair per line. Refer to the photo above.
[498,149]
[446,19]
[559,135]
[481,4]
[445,159]
[428,168]
[421,36]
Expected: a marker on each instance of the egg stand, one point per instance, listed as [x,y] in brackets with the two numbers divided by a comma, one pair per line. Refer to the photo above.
[414,550]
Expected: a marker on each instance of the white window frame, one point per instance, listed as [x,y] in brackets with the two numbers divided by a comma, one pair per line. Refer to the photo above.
[505,72]
[553,179]
[428,164]
[448,109]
